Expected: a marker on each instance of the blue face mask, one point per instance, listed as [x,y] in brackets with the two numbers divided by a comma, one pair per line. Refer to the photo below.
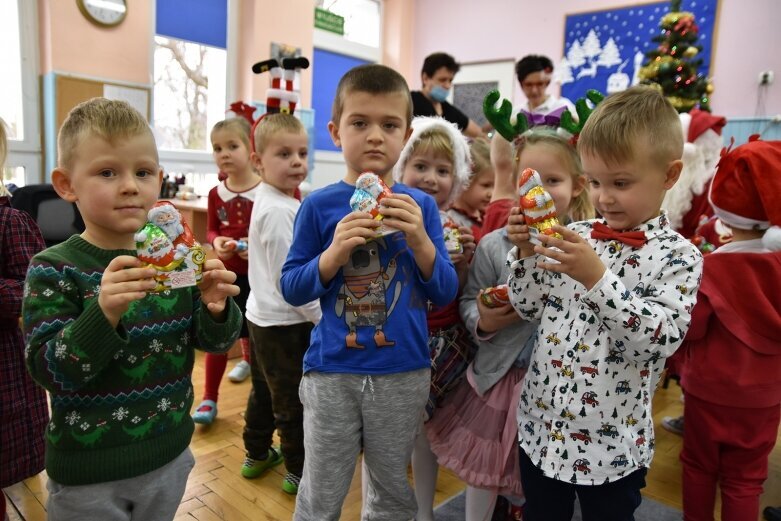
[439,93]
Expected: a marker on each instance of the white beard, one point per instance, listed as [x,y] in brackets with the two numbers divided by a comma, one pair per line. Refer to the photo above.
[172,229]
[699,165]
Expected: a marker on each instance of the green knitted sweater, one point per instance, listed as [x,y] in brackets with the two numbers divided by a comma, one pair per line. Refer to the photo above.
[121,396]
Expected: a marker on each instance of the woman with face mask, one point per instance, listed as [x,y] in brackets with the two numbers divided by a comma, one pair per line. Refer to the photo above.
[437,75]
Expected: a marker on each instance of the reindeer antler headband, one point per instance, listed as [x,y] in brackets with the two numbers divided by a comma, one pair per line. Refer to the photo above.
[501,117]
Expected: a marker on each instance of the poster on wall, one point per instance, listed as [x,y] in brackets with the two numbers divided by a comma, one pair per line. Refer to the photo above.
[604,50]
[468,97]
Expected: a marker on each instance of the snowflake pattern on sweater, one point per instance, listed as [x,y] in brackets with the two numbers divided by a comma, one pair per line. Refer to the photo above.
[585,409]
[121,396]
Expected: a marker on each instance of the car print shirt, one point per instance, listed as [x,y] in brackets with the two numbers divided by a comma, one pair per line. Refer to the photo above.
[585,409]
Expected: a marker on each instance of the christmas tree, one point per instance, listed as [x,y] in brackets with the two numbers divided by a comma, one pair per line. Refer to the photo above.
[673,65]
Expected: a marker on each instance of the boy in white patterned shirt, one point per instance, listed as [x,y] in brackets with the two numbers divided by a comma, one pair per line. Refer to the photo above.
[614,299]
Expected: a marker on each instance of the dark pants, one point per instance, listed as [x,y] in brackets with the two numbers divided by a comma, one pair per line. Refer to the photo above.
[549,499]
[277,365]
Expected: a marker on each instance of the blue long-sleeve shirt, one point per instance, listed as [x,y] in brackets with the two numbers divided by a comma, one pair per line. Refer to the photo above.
[378,298]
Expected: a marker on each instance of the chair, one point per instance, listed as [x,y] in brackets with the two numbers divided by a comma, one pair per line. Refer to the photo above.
[57,218]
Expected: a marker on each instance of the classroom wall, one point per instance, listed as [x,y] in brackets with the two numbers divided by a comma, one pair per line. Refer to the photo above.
[478,31]
[71,44]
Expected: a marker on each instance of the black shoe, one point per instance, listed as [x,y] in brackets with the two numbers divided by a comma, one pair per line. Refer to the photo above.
[772,513]
[295,63]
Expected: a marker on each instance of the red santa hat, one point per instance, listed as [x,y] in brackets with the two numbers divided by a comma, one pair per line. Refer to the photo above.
[698,121]
[746,190]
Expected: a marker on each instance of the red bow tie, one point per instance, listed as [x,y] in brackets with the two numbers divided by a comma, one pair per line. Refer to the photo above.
[603,232]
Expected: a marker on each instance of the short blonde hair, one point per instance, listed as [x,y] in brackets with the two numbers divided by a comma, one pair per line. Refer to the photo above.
[272,125]
[480,150]
[630,120]
[580,207]
[109,119]
[3,154]
[239,126]
[435,141]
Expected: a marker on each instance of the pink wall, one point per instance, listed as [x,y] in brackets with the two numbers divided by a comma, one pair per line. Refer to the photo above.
[397,36]
[295,27]
[482,31]
[69,43]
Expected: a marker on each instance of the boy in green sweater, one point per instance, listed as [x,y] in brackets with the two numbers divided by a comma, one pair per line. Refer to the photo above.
[115,358]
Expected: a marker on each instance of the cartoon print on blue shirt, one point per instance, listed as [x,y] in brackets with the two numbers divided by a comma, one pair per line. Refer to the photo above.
[362,297]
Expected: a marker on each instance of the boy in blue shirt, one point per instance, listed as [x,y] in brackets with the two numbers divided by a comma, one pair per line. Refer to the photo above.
[367,369]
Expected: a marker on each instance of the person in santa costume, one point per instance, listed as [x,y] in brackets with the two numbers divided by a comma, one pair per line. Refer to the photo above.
[687,206]
[731,371]
[687,201]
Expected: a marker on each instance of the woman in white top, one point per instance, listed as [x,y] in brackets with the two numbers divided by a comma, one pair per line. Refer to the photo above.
[534,74]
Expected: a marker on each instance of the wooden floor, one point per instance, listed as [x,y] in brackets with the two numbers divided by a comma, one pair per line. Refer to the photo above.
[216,490]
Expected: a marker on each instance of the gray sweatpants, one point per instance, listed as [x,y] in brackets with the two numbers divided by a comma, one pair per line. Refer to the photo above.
[340,410]
[154,496]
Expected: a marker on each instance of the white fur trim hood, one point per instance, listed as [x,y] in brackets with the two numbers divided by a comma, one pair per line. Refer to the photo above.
[462,160]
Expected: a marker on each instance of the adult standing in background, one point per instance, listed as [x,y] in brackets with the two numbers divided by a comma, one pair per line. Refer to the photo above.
[534,74]
[437,75]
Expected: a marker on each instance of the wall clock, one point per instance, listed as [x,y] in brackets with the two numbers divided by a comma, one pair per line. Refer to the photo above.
[105,13]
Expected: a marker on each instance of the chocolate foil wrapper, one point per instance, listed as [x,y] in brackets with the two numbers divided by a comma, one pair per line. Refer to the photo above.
[178,260]
[537,206]
[369,191]
[496,296]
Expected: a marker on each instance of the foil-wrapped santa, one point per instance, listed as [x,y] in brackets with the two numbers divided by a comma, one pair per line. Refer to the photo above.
[369,191]
[166,243]
[537,206]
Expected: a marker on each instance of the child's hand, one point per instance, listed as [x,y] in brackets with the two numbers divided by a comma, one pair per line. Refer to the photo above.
[353,230]
[220,248]
[505,175]
[495,319]
[123,281]
[244,254]
[575,256]
[216,286]
[400,211]
[518,233]
[467,240]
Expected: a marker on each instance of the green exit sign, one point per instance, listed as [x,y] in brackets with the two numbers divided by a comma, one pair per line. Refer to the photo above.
[328,21]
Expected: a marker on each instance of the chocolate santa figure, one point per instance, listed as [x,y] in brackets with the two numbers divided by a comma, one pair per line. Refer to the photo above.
[166,243]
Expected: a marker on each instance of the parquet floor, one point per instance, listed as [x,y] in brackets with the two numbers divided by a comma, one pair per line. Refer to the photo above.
[216,490]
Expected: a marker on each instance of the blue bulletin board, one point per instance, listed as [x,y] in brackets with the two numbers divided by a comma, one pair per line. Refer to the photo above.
[604,50]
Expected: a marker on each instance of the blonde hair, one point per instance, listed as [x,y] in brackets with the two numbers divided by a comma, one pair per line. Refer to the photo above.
[109,119]
[480,150]
[3,154]
[274,124]
[239,126]
[435,141]
[632,120]
[580,207]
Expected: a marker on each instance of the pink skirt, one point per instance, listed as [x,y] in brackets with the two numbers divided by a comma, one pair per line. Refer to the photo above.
[477,436]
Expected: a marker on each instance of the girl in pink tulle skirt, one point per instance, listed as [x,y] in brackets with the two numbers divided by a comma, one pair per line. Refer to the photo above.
[474,432]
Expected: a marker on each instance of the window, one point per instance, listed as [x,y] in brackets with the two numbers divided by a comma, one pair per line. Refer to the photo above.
[361,19]
[189,71]
[189,92]
[19,91]
[333,56]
